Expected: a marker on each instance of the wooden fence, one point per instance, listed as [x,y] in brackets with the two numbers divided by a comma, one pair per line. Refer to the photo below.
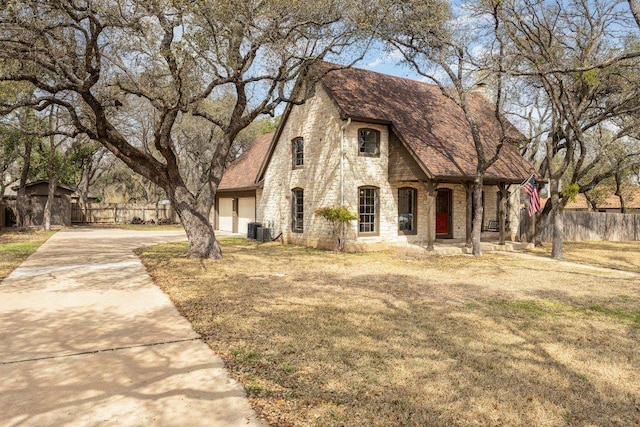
[119,213]
[613,227]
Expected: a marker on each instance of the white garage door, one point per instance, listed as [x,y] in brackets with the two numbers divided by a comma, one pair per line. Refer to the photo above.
[246,213]
[225,214]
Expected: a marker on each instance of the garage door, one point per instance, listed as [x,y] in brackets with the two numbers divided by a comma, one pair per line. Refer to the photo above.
[225,214]
[246,213]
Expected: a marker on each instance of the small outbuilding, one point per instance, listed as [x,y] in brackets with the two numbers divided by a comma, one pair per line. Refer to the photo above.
[37,198]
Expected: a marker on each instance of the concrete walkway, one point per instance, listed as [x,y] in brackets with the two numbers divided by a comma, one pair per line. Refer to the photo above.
[87,339]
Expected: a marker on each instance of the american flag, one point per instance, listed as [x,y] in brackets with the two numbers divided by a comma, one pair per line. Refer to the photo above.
[530,188]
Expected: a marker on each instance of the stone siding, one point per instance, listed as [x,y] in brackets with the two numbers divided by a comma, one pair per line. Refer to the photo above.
[318,122]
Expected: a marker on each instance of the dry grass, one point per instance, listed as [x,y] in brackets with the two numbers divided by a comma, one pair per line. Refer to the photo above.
[616,255]
[401,338]
[16,246]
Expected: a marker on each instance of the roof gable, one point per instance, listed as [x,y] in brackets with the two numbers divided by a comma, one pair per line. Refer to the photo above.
[41,187]
[429,124]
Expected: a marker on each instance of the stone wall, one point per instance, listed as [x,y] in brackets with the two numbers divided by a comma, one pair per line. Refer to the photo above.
[318,122]
[326,136]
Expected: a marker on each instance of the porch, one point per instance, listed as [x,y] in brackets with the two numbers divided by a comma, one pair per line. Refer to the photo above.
[433,214]
[489,243]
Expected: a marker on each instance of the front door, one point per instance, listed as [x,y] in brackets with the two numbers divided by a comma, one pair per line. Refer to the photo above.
[443,213]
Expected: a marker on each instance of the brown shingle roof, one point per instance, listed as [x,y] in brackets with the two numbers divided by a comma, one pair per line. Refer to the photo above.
[632,201]
[242,174]
[430,124]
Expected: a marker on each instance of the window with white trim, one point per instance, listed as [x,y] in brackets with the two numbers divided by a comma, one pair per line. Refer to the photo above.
[297,210]
[368,210]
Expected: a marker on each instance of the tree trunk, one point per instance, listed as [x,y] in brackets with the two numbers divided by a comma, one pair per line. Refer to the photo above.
[48,206]
[619,192]
[84,193]
[22,209]
[468,188]
[430,188]
[634,5]
[502,212]
[194,216]
[477,219]
[591,203]
[556,220]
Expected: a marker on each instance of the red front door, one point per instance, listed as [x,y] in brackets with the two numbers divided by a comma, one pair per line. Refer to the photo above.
[443,213]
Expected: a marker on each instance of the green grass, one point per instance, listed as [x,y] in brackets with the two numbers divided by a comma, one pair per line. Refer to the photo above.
[533,308]
[621,314]
[16,246]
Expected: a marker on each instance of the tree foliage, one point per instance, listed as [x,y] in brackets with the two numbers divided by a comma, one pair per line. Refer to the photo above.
[437,44]
[583,90]
[212,66]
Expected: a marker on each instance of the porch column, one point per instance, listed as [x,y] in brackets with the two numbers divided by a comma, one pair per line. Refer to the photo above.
[430,187]
[502,200]
[468,188]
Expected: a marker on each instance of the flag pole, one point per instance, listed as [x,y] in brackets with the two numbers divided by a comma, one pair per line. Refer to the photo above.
[513,193]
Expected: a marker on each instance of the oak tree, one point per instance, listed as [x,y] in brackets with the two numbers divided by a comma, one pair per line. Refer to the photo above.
[100,60]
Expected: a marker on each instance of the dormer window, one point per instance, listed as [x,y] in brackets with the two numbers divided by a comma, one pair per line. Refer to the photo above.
[297,149]
[368,142]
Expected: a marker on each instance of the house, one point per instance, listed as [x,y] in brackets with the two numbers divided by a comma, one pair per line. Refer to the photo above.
[238,193]
[395,151]
[608,202]
[36,193]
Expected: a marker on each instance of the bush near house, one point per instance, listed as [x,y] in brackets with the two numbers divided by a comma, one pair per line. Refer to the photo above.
[339,218]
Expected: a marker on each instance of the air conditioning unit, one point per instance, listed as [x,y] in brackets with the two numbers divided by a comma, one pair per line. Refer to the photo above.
[252,230]
[263,234]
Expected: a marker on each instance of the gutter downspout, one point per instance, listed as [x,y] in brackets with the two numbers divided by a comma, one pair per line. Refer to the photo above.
[342,128]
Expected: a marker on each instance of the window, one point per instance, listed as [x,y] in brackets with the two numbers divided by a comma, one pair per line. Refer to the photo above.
[369,142]
[297,204]
[297,148]
[407,210]
[368,209]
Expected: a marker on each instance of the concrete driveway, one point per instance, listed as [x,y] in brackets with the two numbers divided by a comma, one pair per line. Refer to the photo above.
[87,339]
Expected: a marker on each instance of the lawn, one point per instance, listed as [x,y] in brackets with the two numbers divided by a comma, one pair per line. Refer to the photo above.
[616,255]
[16,246]
[410,339]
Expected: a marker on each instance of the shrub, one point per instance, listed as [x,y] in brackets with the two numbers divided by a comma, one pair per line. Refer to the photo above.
[338,217]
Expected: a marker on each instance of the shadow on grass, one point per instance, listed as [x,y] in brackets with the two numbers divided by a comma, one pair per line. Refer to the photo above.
[361,347]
